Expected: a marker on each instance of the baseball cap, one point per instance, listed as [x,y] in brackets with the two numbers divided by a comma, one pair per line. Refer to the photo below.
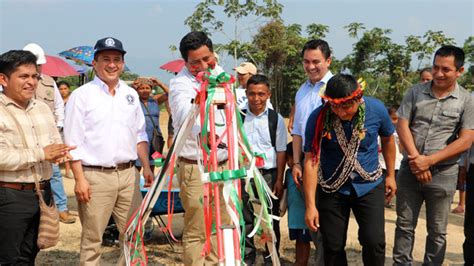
[109,43]
[37,51]
[246,67]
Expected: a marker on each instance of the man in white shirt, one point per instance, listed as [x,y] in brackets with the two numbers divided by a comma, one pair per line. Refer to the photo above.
[316,61]
[197,51]
[270,138]
[106,123]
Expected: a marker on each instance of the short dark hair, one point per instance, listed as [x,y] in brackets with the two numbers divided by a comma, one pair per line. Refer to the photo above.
[62,82]
[451,50]
[341,85]
[426,69]
[322,45]
[193,41]
[258,79]
[12,59]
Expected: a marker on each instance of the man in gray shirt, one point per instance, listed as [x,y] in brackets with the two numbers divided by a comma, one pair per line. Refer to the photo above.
[435,126]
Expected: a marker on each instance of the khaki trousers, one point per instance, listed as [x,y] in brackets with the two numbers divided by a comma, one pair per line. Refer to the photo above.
[194,233]
[115,193]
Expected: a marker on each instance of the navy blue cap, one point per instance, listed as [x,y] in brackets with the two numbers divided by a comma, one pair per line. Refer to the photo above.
[109,43]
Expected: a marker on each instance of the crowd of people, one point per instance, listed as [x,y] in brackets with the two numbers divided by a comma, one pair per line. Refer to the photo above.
[348,152]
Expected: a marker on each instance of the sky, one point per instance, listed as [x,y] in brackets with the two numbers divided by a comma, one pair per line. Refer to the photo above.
[147,28]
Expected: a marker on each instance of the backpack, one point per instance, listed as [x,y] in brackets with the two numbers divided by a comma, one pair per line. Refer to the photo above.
[272,123]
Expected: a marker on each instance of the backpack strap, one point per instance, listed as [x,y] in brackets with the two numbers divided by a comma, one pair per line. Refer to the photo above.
[272,123]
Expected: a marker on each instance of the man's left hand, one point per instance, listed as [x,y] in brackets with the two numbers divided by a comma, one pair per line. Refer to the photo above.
[278,189]
[148,174]
[390,188]
[419,163]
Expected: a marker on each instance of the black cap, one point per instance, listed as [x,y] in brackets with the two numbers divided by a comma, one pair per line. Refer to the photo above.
[109,43]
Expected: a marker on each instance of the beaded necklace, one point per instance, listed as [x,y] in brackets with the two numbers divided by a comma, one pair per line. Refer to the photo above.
[349,162]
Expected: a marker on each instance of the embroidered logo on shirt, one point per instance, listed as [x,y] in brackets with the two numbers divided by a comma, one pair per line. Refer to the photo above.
[110,42]
[130,99]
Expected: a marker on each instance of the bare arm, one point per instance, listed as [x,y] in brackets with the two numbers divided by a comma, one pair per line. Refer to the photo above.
[389,154]
[310,184]
[281,162]
[297,167]
[142,150]
[406,138]
[82,187]
[423,162]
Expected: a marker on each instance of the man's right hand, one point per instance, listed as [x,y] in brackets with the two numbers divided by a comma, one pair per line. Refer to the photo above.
[424,177]
[297,174]
[82,190]
[312,218]
[53,152]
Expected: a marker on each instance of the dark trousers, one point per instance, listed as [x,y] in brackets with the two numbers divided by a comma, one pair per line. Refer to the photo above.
[250,249]
[19,219]
[334,212]
[468,246]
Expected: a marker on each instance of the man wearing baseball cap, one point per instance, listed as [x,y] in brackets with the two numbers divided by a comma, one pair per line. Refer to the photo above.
[48,92]
[104,119]
[244,72]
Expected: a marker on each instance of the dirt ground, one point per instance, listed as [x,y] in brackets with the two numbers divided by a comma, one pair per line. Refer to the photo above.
[161,253]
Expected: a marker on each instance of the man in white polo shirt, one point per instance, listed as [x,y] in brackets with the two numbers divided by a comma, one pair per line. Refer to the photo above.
[106,123]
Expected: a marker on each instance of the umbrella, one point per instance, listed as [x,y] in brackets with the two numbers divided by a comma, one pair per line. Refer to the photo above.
[81,54]
[173,66]
[57,67]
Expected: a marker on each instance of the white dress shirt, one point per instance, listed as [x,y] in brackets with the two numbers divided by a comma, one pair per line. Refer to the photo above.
[106,129]
[183,88]
[306,101]
[258,135]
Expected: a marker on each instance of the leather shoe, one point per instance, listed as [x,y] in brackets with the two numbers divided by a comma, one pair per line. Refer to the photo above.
[66,217]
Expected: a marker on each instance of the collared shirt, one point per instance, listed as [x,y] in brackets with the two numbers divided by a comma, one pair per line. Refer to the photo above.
[106,129]
[183,89]
[377,123]
[48,92]
[433,122]
[37,123]
[258,135]
[306,100]
[242,101]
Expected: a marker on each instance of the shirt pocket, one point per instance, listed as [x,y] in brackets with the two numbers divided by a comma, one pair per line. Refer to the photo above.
[449,119]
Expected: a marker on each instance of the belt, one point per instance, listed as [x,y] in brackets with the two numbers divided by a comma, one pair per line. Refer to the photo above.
[186,160]
[120,166]
[24,186]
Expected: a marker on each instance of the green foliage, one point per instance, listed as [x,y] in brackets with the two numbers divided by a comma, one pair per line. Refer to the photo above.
[128,76]
[467,79]
[275,49]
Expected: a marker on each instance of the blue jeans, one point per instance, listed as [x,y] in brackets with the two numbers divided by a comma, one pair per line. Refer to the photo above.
[437,196]
[57,187]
